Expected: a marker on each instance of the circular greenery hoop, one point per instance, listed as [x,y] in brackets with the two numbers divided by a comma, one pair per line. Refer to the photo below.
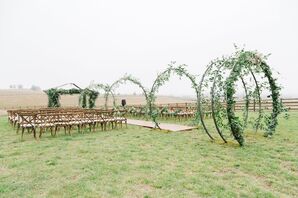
[241,63]
[217,109]
[246,108]
[123,80]
[254,60]
[161,79]
[214,73]
[257,95]
[215,101]
[200,99]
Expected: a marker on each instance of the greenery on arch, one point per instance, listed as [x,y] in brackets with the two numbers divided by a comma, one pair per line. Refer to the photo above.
[240,64]
[87,96]
[223,74]
[110,89]
[161,79]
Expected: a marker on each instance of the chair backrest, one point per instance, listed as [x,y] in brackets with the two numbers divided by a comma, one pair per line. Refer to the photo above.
[28,118]
[46,118]
[89,116]
[61,115]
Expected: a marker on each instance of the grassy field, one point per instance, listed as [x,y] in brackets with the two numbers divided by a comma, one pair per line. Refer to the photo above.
[27,98]
[138,162]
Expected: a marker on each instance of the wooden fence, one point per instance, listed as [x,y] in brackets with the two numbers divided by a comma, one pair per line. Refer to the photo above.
[290,103]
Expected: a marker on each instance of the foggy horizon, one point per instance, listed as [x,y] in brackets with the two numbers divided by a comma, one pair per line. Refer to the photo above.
[49,43]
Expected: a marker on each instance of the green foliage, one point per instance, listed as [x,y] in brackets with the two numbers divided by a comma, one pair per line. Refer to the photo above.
[88,98]
[55,93]
[53,98]
[240,64]
[135,161]
[223,73]
[161,79]
[110,89]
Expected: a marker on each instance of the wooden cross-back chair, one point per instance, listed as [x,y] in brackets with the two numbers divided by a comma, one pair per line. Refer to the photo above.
[99,120]
[108,117]
[45,121]
[52,119]
[26,120]
[12,117]
[120,118]
[75,119]
[62,120]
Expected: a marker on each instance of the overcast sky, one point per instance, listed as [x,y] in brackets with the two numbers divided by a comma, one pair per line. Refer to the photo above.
[51,42]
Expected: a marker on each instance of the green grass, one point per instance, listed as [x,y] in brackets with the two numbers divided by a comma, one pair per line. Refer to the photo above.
[139,162]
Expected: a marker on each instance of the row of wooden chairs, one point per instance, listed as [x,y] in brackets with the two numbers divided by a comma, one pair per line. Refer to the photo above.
[52,119]
[169,113]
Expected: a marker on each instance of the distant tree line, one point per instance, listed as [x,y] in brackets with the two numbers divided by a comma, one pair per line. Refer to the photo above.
[20,86]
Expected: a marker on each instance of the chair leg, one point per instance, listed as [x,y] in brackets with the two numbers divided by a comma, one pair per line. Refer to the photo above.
[51,129]
[18,129]
[40,132]
[34,133]
[64,129]
[23,130]
[94,125]
[56,128]
[90,127]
